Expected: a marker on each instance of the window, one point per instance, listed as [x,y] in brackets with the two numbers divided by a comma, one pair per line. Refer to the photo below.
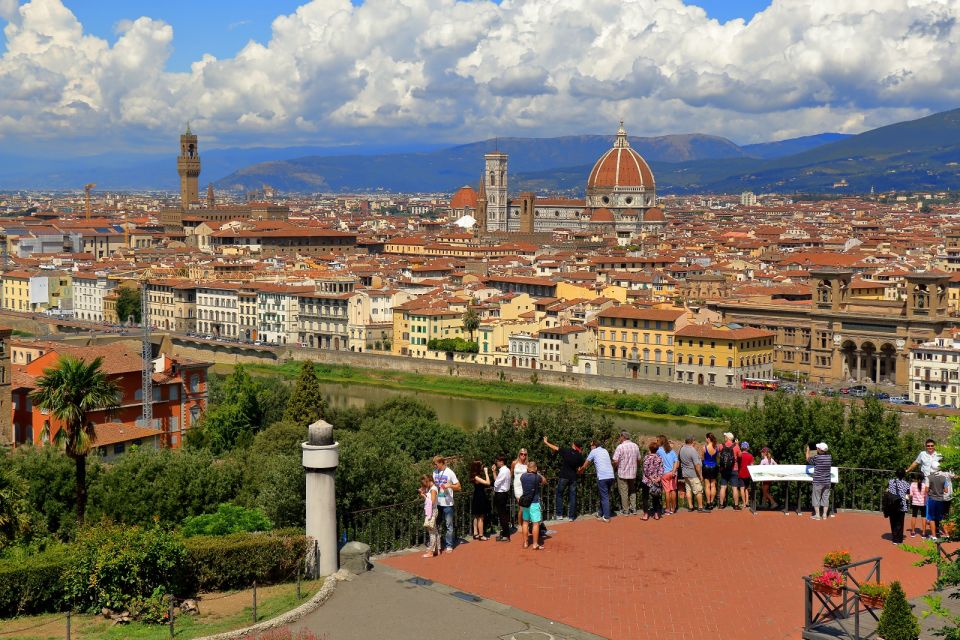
[194,383]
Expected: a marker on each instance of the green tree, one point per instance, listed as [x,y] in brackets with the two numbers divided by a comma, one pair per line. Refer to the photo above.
[128,304]
[273,394]
[16,517]
[148,485]
[50,486]
[897,621]
[229,518]
[70,391]
[235,418]
[306,404]
[471,321]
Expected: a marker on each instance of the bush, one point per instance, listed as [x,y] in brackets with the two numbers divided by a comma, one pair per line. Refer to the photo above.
[659,404]
[111,565]
[33,583]
[228,519]
[455,345]
[218,563]
[897,621]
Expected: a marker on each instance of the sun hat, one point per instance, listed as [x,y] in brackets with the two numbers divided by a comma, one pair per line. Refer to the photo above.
[822,446]
[728,435]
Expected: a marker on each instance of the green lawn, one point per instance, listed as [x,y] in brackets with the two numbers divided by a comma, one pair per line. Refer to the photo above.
[218,612]
[523,392]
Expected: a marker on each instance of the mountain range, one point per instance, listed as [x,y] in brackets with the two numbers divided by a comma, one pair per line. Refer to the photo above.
[922,154]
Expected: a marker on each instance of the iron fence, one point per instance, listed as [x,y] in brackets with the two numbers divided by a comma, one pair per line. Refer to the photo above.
[847,618]
[399,526]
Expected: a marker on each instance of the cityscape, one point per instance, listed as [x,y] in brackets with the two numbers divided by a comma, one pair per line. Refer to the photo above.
[266,297]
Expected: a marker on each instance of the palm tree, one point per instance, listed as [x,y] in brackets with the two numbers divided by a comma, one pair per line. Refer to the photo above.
[471,321]
[69,392]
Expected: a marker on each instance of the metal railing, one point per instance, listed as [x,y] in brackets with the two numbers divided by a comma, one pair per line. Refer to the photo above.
[399,526]
[843,619]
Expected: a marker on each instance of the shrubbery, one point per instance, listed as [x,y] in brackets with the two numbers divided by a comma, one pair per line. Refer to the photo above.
[111,565]
[217,563]
[32,581]
[456,345]
[229,518]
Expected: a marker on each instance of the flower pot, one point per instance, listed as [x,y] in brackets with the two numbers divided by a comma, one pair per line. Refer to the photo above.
[872,602]
[827,589]
[948,528]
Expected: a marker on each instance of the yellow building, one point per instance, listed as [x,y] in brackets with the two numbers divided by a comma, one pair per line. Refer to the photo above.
[637,343]
[37,291]
[722,356]
[570,291]
[868,289]
[434,324]
[493,339]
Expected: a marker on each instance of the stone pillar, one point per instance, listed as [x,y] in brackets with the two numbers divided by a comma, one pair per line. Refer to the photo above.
[321,455]
[876,374]
[859,364]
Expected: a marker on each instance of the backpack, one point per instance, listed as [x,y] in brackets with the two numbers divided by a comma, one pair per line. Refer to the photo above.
[526,498]
[726,459]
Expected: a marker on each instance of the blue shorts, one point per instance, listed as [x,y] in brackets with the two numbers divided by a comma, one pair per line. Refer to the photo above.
[937,510]
[533,513]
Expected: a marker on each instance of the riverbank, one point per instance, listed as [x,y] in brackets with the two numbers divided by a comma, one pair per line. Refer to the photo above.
[655,406]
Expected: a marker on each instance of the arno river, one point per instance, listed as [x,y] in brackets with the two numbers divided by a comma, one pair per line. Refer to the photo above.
[469,413]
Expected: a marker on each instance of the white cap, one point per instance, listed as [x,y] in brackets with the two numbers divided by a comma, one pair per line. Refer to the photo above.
[935,465]
[822,446]
[728,435]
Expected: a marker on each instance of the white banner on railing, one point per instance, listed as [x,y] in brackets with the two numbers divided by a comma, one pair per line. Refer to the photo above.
[792,472]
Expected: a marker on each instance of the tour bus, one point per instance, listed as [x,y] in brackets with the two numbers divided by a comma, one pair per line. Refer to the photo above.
[764,384]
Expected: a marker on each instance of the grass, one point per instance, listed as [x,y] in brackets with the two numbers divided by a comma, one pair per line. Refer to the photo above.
[219,612]
[656,406]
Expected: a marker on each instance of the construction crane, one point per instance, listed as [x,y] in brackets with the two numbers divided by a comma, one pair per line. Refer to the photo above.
[146,383]
[86,189]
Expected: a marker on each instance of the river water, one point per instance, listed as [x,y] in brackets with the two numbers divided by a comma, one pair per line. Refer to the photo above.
[470,413]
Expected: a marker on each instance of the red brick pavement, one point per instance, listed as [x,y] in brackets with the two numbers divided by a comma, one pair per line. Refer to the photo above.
[724,575]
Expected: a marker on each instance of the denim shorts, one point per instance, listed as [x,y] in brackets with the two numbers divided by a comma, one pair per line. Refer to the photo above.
[730,478]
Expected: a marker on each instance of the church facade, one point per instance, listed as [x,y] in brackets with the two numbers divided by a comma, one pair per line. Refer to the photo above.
[621,199]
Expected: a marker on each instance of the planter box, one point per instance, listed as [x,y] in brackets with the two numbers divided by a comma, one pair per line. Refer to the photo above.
[827,590]
[872,602]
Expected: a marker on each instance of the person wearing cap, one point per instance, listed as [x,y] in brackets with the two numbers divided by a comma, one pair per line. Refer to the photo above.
[729,477]
[939,495]
[600,457]
[571,459]
[746,482]
[625,459]
[821,460]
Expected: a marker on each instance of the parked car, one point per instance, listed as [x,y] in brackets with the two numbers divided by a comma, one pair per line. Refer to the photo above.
[828,392]
[896,399]
[881,395]
[788,388]
[931,405]
[908,403]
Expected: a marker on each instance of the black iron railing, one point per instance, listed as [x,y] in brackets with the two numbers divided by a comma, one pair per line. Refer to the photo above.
[399,526]
[841,616]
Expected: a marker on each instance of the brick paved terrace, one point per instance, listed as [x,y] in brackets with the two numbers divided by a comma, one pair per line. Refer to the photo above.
[724,575]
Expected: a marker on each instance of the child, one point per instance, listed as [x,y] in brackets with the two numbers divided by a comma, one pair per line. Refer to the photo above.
[918,500]
[428,491]
[766,458]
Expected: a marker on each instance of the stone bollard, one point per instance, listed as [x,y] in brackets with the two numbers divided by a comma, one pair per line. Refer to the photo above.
[355,557]
[321,455]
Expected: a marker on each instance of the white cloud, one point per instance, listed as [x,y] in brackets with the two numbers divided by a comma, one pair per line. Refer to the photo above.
[450,70]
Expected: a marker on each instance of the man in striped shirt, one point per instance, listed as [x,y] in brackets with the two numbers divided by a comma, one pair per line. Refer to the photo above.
[821,461]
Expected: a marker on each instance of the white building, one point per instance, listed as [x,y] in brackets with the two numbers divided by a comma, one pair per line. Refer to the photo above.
[217,310]
[370,318]
[748,199]
[278,311]
[524,351]
[89,288]
[935,372]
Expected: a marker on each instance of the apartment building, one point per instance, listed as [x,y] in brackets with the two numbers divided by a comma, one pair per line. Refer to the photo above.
[722,356]
[218,309]
[322,321]
[636,342]
[173,305]
[935,372]
[561,347]
[38,291]
[278,310]
[89,290]
[370,318]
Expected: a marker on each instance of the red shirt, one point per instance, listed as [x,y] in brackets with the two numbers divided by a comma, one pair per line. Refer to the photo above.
[746,459]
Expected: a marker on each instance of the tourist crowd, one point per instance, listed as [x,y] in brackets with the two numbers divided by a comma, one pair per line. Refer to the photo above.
[649,479]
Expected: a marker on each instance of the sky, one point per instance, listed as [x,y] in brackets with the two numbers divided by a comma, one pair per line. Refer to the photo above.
[82,76]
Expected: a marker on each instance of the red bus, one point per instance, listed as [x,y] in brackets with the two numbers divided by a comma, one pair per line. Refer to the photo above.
[763,384]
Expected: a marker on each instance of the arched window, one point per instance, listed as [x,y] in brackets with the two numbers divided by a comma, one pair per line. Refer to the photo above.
[602,352]
[713,361]
[194,383]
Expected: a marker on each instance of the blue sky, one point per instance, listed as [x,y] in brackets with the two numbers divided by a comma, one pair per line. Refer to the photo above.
[223,27]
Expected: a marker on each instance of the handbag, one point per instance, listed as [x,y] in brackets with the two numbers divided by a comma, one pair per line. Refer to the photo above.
[429,522]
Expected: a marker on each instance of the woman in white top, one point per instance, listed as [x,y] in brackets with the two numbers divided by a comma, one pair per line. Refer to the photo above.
[766,458]
[517,468]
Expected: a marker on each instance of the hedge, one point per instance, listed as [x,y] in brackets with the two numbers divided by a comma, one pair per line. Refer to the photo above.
[33,584]
[219,563]
[36,584]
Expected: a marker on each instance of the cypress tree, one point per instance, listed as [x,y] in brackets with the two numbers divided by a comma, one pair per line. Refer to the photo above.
[306,404]
[897,621]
